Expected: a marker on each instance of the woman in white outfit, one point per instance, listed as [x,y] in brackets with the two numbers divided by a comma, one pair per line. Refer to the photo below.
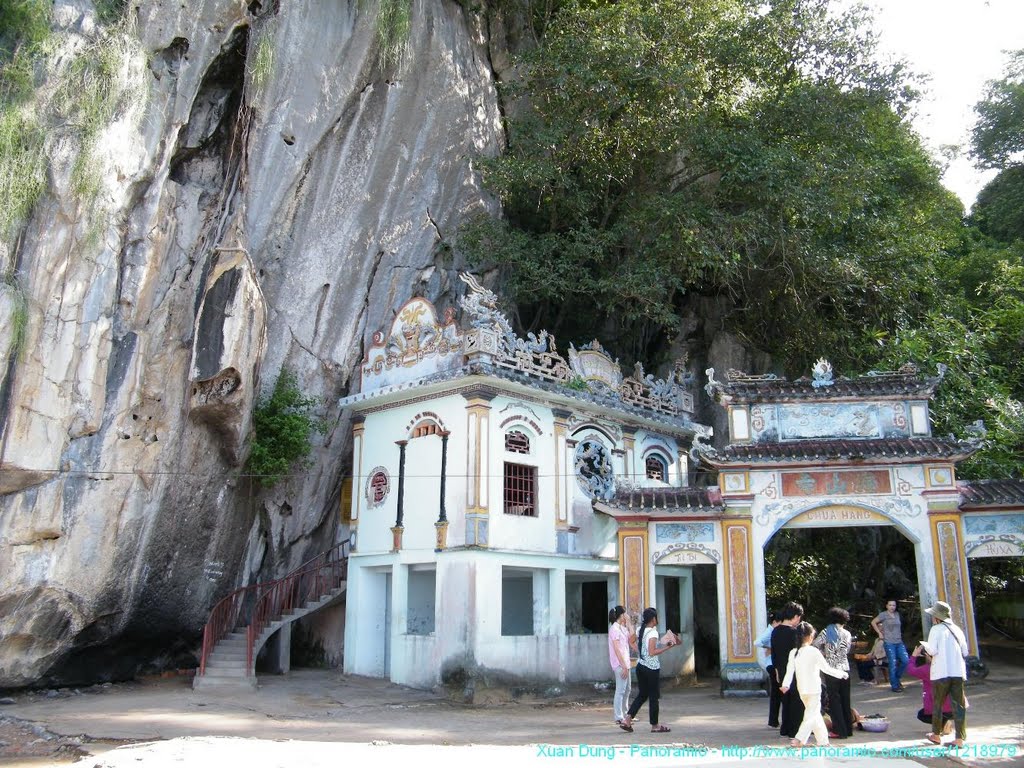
[806,663]
[620,638]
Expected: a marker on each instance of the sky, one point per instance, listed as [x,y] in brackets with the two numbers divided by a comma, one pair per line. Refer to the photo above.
[961,45]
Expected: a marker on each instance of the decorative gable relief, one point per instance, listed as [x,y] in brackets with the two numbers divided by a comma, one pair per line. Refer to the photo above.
[417,345]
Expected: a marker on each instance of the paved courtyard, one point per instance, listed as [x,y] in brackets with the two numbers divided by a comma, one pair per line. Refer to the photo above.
[320,717]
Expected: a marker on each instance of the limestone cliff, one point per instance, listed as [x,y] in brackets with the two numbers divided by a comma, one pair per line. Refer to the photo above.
[268,193]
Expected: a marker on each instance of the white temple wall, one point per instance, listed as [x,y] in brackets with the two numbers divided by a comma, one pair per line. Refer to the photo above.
[520,532]
[422,478]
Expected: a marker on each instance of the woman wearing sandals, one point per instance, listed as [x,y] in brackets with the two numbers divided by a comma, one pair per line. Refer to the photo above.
[648,671]
[806,663]
[620,639]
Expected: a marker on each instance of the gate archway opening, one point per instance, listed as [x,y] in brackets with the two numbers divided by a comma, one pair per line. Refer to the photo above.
[855,567]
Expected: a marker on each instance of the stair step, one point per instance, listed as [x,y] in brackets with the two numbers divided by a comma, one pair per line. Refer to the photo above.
[227,666]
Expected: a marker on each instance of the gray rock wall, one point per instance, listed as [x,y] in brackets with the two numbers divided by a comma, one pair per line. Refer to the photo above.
[245,223]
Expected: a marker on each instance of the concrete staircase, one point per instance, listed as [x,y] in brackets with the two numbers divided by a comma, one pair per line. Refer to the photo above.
[229,654]
[226,666]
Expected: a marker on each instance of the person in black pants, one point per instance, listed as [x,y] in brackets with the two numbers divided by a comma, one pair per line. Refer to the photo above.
[784,639]
[648,671]
[764,648]
[834,643]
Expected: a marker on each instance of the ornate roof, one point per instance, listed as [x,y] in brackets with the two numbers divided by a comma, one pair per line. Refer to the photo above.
[629,502]
[889,450]
[740,387]
[991,493]
[420,349]
[601,398]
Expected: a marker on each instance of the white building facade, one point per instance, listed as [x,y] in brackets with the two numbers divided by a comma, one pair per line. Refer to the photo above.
[505,498]
[477,457]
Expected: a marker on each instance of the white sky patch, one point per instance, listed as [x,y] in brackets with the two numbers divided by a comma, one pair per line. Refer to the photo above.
[960,44]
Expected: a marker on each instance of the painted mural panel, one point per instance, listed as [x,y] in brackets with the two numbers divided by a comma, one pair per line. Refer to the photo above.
[741,631]
[994,524]
[831,420]
[634,568]
[836,483]
[994,535]
[675,532]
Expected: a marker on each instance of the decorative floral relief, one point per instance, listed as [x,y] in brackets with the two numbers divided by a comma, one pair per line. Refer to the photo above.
[899,415]
[757,418]
[690,532]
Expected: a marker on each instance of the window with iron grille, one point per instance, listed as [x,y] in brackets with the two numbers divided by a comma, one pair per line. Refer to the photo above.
[657,468]
[520,490]
[517,442]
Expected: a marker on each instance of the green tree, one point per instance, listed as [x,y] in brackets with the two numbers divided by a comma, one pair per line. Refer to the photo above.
[283,425]
[997,140]
[754,152]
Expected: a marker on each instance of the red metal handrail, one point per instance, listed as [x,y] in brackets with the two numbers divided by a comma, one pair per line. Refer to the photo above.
[316,578]
[227,614]
[242,606]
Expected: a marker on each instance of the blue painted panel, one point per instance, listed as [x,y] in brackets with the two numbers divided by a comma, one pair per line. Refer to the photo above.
[667,532]
[829,420]
[978,524]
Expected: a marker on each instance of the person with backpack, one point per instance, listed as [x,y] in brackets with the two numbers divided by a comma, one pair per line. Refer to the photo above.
[948,649]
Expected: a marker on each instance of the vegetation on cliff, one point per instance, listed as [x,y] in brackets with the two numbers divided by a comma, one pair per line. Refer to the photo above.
[49,93]
[283,426]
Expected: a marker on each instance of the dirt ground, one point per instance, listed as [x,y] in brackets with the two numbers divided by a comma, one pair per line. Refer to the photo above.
[316,712]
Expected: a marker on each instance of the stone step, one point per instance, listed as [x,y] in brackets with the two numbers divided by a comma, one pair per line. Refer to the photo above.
[226,663]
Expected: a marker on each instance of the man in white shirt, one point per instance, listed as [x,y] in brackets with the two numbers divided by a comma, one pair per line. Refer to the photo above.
[948,648]
[764,658]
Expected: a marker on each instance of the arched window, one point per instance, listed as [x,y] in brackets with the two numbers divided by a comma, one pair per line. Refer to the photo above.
[425,428]
[517,442]
[656,467]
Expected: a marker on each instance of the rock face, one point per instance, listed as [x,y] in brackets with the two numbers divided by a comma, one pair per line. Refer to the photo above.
[269,204]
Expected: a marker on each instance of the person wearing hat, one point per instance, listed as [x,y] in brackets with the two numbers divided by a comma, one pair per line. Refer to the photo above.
[948,648]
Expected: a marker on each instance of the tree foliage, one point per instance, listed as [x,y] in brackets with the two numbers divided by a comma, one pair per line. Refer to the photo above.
[666,152]
[283,425]
[666,148]
[997,140]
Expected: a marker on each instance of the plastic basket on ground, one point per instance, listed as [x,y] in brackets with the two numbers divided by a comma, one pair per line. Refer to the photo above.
[875,724]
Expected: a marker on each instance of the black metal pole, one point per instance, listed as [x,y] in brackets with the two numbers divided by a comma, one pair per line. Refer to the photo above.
[443,517]
[401,480]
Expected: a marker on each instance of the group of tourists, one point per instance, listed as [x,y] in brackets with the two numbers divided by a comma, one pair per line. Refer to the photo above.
[795,656]
[796,651]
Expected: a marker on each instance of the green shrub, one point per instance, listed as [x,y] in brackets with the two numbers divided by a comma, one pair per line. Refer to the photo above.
[283,425]
[22,165]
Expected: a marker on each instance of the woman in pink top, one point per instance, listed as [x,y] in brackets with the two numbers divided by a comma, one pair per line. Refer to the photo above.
[920,667]
[620,637]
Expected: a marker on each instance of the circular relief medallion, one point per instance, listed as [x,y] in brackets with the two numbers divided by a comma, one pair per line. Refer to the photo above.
[594,469]
[377,486]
